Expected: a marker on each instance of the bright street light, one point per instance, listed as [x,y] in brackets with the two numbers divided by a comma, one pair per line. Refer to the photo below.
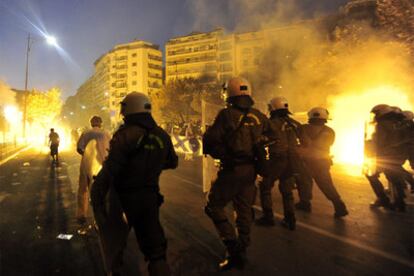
[51,40]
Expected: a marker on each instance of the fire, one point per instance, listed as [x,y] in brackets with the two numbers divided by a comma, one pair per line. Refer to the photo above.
[12,114]
[350,113]
[38,136]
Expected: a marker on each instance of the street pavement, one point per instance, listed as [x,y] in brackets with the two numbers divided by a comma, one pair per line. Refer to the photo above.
[38,202]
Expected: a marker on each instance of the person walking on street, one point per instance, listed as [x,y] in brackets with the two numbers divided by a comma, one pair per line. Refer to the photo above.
[231,139]
[139,151]
[283,163]
[101,138]
[54,141]
[316,139]
[390,150]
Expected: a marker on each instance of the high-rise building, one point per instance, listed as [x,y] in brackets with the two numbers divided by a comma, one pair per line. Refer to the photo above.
[218,54]
[214,53]
[135,66]
[192,55]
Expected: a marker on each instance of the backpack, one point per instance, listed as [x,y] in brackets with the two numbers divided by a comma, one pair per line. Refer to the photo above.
[244,146]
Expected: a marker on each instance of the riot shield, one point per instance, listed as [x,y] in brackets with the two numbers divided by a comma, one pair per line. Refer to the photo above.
[208,112]
[113,233]
[369,167]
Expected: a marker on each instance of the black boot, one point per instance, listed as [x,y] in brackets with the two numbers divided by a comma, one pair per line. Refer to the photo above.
[235,257]
[304,206]
[384,202]
[289,222]
[399,206]
[265,221]
[340,209]
[159,267]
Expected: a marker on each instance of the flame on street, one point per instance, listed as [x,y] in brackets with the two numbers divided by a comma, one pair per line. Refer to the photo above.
[350,113]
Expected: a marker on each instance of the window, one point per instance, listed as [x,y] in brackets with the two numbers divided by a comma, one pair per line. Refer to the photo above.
[134,64]
[225,56]
[225,46]
[246,51]
[134,83]
[134,73]
[245,62]
[121,58]
[134,54]
[226,67]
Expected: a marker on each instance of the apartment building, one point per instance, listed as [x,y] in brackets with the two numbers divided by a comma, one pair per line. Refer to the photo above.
[218,54]
[214,53]
[192,55]
[135,66]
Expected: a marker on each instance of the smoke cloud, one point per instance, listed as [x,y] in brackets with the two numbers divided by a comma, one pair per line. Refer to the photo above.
[312,61]
[7,96]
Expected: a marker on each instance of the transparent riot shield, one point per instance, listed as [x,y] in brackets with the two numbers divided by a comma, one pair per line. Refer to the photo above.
[369,167]
[208,112]
[113,233]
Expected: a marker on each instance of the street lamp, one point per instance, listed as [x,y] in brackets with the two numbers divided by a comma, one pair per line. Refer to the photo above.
[51,40]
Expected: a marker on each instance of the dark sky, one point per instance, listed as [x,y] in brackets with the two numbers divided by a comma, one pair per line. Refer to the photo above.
[85,29]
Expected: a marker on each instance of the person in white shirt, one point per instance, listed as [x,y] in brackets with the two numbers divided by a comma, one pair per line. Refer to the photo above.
[92,156]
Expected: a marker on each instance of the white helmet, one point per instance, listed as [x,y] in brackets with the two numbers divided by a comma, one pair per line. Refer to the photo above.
[278,103]
[381,109]
[135,102]
[318,113]
[408,115]
[237,86]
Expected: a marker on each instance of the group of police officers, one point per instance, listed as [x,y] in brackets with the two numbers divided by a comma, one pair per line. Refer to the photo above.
[247,143]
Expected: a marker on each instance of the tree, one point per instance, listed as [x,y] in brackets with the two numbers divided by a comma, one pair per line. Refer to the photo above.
[43,107]
[180,99]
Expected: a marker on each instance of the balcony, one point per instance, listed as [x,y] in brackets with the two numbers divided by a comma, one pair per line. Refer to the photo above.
[154,66]
[153,57]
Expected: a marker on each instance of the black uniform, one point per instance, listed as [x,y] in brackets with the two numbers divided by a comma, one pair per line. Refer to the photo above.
[138,153]
[231,139]
[283,161]
[316,139]
[390,155]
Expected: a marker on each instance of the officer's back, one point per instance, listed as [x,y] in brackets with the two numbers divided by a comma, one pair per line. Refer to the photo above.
[149,150]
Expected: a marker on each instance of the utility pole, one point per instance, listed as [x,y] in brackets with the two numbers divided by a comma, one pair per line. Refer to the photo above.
[25,86]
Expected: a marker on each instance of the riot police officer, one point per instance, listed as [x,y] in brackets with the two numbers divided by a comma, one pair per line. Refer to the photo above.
[283,163]
[231,139]
[390,156]
[138,153]
[316,139]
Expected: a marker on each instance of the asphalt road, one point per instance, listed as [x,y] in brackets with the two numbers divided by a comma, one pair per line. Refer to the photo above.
[38,202]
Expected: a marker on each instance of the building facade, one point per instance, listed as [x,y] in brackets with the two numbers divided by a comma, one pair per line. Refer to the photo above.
[135,66]
[218,54]
[192,55]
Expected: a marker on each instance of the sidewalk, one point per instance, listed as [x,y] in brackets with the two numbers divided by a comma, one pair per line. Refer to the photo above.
[10,150]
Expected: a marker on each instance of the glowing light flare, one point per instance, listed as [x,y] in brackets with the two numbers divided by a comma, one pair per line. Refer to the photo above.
[12,114]
[51,40]
[351,112]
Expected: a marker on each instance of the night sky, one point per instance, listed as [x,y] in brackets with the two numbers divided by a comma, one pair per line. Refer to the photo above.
[85,29]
